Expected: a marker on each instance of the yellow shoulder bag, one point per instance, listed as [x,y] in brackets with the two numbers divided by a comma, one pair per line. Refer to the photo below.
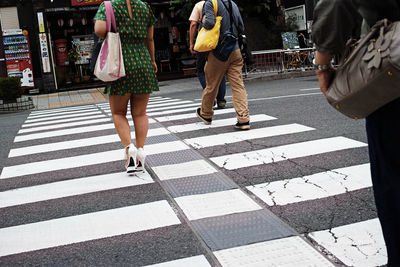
[207,40]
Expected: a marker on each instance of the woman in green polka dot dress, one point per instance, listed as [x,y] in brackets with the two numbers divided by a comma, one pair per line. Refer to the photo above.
[135,24]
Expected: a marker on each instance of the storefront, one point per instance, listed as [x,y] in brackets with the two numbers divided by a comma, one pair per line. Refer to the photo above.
[69,28]
[59,37]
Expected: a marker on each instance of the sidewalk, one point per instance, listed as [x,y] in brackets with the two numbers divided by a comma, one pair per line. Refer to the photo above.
[69,98]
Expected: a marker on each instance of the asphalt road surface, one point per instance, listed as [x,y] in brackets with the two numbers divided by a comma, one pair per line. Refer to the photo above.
[293,190]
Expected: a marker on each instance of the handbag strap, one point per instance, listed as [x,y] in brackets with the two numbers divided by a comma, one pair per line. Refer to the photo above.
[215,5]
[110,16]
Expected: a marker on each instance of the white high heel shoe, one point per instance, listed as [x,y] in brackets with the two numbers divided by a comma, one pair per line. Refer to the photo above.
[132,151]
[141,155]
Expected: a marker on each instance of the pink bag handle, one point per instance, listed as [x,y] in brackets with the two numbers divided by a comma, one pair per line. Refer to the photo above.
[110,16]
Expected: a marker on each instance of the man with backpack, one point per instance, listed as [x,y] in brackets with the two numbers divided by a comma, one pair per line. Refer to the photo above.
[223,61]
[334,21]
[195,22]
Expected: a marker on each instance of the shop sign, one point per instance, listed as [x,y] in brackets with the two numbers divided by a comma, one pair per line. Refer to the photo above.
[44,51]
[40,21]
[298,13]
[85,2]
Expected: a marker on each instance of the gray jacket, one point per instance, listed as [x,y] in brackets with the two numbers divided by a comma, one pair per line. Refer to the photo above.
[209,23]
[335,20]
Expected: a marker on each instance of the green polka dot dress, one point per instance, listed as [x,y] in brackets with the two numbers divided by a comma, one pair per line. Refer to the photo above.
[140,73]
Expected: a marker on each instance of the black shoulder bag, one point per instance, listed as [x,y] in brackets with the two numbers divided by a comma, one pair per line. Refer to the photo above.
[228,41]
[225,47]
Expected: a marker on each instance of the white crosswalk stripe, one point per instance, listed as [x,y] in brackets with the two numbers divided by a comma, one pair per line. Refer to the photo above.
[195,261]
[80,143]
[193,115]
[359,244]
[57,110]
[58,115]
[86,227]
[52,118]
[316,186]
[229,138]
[62,121]
[78,130]
[63,125]
[275,154]
[215,124]
[64,177]
[71,188]
[84,160]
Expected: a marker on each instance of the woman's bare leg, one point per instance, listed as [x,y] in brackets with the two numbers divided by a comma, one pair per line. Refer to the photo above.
[140,120]
[119,105]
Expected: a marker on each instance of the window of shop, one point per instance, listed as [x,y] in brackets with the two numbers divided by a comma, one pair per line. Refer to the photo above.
[71,35]
[71,32]
[171,39]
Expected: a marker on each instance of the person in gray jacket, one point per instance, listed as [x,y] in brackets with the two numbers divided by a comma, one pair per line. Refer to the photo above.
[215,69]
[334,21]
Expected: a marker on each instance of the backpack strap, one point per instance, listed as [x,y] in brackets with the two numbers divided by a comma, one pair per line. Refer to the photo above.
[230,10]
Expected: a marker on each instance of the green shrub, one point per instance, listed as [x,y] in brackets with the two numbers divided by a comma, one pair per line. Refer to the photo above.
[10,88]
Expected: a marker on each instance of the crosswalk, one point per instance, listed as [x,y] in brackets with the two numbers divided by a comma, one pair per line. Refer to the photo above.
[63,189]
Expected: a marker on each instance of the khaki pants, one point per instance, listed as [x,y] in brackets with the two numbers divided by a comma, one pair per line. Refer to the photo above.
[215,71]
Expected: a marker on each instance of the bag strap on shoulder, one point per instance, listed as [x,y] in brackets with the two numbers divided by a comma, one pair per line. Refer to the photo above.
[110,16]
[215,5]
[230,10]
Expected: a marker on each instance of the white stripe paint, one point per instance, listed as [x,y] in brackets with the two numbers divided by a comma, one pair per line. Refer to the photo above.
[86,227]
[157,97]
[199,99]
[96,111]
[164,100]
[85,160]
[71,188]
[182,170]
[238,136]
[284,252]
[283,96]
[195,261]
[50,111]
[55,115]
[193,115]
[173,107]
[360,244]
[79,143]
[216,123]
[163,104]
[310,89]
[85,129]
[63,125]
[316,186]
[171,111]
[62,121]
[276,97]
[216,204]
[280,153]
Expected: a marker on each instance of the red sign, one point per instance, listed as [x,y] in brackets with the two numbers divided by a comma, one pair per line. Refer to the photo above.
[85,2]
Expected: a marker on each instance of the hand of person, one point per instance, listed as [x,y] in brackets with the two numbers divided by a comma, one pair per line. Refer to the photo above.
[191,49]
[325,78]
[155,66]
